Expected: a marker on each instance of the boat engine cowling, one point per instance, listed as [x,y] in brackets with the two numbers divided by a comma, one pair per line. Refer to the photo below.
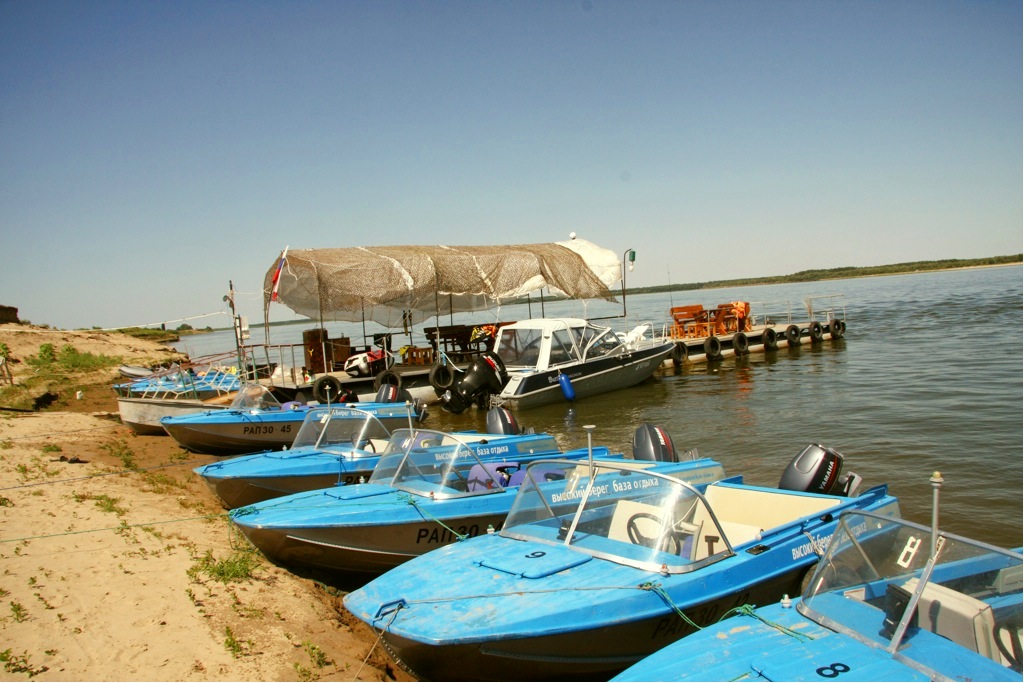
[501,421]
[816,469]
[485,375]
[651,442]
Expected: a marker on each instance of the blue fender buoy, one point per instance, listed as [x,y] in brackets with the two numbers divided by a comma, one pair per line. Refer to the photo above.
[567,389]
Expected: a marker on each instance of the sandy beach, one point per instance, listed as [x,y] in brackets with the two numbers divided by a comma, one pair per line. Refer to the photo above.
[119,564]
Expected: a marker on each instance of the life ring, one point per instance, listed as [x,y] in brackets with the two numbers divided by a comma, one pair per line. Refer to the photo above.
[793,335]
[387,377]
[327,389]
[680,353]
[740,343]
[770,339]
[441,377]
[835,328]
[713,348]
[816,331]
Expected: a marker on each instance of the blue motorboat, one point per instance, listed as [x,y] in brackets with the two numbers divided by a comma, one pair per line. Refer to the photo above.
[334,446]
[879,608]
[428,490]
[593,572]
[182,382]
[257,421]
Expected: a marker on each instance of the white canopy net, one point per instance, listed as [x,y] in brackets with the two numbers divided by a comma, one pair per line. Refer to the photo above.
[392,285]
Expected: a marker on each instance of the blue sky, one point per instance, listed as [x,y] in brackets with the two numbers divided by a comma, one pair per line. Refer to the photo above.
[152,151]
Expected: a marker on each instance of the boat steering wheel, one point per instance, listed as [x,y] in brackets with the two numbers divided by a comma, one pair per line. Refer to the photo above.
[669,544]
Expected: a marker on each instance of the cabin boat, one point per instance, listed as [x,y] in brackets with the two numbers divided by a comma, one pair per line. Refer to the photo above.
[595,570]
[880,607]
[547,360]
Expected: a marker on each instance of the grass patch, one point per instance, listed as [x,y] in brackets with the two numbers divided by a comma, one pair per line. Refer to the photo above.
[238,566]
[19,664]
[109,504]
[120,450]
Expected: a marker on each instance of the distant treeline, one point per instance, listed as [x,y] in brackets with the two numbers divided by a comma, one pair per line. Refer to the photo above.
[836,274]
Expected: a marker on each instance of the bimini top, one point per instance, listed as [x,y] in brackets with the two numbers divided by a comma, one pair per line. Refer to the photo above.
[384,284]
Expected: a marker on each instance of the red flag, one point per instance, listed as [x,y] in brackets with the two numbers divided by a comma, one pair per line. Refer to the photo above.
[277,275]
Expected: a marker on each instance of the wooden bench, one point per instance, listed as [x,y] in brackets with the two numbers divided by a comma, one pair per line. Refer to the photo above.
[686,319]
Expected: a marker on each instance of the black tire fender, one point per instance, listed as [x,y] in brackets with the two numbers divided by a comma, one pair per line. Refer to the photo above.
[441,377]
[740,343]
[770,339]
[713,348]
[793,335]
[835,328]
[327,389]
[387,377]
[816,331]
[680,353]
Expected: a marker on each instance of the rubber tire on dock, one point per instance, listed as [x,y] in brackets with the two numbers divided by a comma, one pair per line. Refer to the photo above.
[679,354]
[713,348]
[770,339]
[816,331]
[835,328]
[793,335]
[442,377]
[387,377]
[327,389]
[740,344]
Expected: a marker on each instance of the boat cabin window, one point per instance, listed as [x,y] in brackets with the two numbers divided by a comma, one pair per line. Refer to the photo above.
[562,348]
[519,347]
[623,513]
[602,344]
[877,569]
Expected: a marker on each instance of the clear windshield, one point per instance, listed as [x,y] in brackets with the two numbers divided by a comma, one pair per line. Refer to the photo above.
[624,512]
[876,569]
[602,342]
[438,464]
[254,397]
[329,428]
[519,347]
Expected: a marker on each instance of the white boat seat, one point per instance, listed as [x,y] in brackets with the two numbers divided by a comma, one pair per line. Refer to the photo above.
[744,514]
[967,621]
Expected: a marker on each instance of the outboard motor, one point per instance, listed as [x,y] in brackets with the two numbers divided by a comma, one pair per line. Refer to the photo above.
[388,393]
[502,421]
[485,375]
[651,442]
[816,470]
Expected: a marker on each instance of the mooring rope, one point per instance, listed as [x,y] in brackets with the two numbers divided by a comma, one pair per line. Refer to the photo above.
[751,611]
[380,637]
[120,527]
[103,474]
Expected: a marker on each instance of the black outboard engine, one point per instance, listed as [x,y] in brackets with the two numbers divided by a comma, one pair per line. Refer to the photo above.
[485,375]
[651,442]
[816,470]
[502,421]
[388,393]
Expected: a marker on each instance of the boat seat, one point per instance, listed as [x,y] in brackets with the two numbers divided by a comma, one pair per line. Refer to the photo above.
[967,621]
[541,474]
[489,476]
[744,514]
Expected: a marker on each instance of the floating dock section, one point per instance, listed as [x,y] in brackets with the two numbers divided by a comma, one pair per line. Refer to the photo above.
[737,328]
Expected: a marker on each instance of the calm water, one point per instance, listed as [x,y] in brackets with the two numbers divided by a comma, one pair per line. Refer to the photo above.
[928,378]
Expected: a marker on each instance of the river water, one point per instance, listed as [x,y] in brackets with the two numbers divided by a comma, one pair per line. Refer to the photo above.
[927,378]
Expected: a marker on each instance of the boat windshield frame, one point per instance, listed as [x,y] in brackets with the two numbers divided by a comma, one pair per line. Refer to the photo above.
[881,562]
[342,430]
[439,465]
[552,342]
[620,511]
[253,396]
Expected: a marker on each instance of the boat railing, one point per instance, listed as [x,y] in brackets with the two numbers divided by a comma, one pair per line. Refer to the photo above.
[216,373]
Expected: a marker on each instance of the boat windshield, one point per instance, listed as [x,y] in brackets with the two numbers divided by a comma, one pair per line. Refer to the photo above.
[439,465]
[622,512]
[596,341]
[329,428]
[519,347]
[254,397]
[878,570]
